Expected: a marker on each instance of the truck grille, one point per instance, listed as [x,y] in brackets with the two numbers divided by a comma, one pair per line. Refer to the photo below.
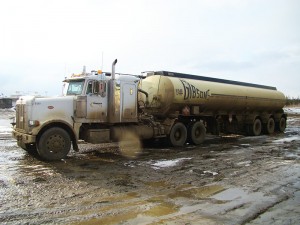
[20,116]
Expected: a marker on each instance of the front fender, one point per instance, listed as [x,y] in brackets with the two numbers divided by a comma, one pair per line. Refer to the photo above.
[58,123]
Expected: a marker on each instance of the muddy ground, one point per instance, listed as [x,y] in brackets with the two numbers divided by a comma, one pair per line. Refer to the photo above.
[227,180]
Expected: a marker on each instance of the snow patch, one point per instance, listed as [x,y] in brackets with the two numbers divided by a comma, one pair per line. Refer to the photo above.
[245,163]
[5,126]
[168,163]
[210,172]
[292,110]
[287,139]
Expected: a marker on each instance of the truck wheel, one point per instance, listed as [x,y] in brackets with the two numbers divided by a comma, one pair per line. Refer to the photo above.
[197,133]
[54,144]
[281,125]
[178,135]
[270,126]
[256,127]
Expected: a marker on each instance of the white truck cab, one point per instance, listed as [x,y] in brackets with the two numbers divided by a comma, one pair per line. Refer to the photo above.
[91,104]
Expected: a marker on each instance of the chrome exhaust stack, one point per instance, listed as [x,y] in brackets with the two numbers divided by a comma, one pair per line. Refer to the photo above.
[111,111]
[113,72]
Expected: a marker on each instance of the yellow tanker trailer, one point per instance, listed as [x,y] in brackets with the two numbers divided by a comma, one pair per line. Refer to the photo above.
[188,106]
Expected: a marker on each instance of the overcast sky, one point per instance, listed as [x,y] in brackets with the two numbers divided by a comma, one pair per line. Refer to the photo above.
[255,41]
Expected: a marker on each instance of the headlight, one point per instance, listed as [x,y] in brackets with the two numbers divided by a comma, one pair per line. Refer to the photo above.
[34,123]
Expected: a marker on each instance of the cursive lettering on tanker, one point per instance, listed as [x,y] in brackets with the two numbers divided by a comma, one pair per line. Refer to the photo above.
[191,92]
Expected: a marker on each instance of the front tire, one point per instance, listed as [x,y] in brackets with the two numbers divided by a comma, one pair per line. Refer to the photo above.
[178,135]
[54,144]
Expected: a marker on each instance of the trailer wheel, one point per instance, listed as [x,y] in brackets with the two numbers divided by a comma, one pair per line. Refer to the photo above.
[54,144]
[281,124]
[178,135]
[270,126]
[256,127]
[197,133]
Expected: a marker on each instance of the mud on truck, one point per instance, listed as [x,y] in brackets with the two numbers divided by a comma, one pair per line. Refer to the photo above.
[98,107]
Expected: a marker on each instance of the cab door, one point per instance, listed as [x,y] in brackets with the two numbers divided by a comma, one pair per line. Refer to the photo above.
[96,101]
[129,102]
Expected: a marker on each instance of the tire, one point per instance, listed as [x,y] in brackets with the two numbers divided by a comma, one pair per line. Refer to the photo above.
[270,126]
[281,124]
[54,144]
[197,133]
[178,135]
[256,127]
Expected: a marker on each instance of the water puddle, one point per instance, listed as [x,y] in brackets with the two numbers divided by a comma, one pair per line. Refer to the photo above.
[116,218]
[157,184]
[162,209]
[197,192]
[120,198]
[230,194]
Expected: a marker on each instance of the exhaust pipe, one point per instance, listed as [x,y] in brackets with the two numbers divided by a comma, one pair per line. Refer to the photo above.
[113,76]
[111,111]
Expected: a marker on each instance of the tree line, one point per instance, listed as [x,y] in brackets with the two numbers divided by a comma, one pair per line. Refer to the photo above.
[292,101]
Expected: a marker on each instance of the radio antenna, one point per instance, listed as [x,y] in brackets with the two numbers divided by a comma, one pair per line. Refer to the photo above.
[102,61]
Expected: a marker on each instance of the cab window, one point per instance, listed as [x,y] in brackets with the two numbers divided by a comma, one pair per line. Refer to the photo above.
[89,89]
[75,87]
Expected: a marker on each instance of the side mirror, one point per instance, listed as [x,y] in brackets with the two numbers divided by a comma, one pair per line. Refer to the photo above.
[102,88]
[95,87]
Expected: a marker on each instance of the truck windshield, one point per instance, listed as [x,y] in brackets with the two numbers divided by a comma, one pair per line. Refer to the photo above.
[75,87]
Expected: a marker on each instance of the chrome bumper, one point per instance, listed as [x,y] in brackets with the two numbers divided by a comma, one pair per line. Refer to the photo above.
[23,137]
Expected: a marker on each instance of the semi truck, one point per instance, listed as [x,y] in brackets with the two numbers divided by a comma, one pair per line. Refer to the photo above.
[99,107]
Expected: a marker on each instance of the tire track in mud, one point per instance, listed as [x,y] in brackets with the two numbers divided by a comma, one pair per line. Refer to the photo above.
[259,211]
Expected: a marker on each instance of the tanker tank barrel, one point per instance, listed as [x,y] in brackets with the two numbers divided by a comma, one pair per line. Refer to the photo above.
[209,79]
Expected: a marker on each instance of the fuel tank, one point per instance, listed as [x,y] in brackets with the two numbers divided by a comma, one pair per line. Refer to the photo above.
[170,93]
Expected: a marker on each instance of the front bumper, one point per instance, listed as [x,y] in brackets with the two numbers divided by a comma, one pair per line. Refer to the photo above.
[23,137]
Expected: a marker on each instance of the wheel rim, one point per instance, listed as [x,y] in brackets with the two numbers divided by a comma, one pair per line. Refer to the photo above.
[55,144]
[197,132]
[177,135]
[282,124]
[256,127]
